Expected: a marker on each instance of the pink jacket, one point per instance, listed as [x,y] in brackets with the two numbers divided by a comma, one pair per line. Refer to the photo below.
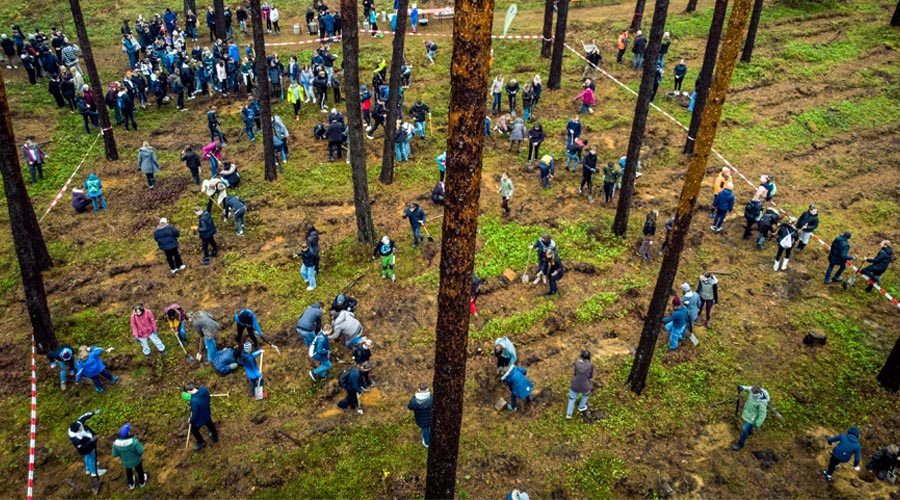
[144,325]
[587,97]
[210,150]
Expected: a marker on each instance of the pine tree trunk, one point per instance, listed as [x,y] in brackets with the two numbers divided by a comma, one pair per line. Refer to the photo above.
[219,9]
[365,229]
[751,31]
[28,241]
[706,72]
[895,19]
[688,200]
[889,376]
[638,15]
[109,140]
[465,145]
[559,45]
[691,6]
[263,92]
[548,28]
[190,5]
[639,123]
[387,156]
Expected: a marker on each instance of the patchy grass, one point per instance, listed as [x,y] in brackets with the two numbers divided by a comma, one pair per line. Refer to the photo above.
[514,324]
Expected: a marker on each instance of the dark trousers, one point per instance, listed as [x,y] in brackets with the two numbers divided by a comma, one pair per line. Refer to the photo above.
[350,401]
[609,189]
[533,151]
[195,174]
[213,434]
[589,182]
[181,100]
[37,168]
[619,55]
[297,108]
[552,280]
[367,116]
[129,474]
[512,103]
[505,205]
[128,116]
[151,181]
[678,83]
[786,251]
[250,335]
[840,270]
[173,257]
[705,304]
[334,149]
[205,243]
[748,227]
[832,464]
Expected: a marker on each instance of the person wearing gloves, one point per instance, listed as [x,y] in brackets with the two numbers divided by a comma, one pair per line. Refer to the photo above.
[310,323]
[346,326]
[130,451]
[201,415]
[505,352]
[676,323]
[85,441]
[91,366]
[754,414]
[420,404]
[320,351]
[251,368]
[847,447]
[385,249]
[581,383]
[143,327]
[519,386]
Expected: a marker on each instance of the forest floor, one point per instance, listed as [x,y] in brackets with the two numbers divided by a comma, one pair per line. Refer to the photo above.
[817,108]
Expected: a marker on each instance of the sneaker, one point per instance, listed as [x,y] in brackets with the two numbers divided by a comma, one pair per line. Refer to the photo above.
[837,279]
[99,390]
[568,417]
[131,486]
[115,380]
[199,446]
[146,477]
[100,472]
[310,288]
[424,443]
[173,270]
[312,376]
[713,228]
[582,410]
[383,276]
[737,447]
[240,233]
[393,278]
[204,262]
[510,407]
[827,476]
[62,386]
[359,410]
[182,267]
[827,282]
[369,137]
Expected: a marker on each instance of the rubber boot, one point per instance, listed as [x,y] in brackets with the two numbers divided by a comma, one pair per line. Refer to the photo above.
[775,267]
[784,264]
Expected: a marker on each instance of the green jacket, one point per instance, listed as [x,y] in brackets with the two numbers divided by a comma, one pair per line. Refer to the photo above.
[755,408]
[506,188]
[129,450]
[610,174]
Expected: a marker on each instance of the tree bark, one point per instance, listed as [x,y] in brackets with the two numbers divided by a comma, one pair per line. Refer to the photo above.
[751,31]
[639,123]
[548,29]
[465,144]
[895,19]
[387,156]
[31,251]
[559,43]
[688,200]
[638,15]
[109,139]
[691,6]
[263,92]
[889,376]
[365,229]
[706,72]
[219,9]
[192,6]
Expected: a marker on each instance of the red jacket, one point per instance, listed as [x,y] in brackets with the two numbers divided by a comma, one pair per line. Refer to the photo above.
[144,325]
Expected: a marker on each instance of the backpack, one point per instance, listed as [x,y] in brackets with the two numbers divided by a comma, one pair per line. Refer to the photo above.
[344,380]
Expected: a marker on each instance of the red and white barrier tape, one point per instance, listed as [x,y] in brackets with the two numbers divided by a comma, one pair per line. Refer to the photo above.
[386,32]
[738,172]
[66,186]
[33,423]
[330,39]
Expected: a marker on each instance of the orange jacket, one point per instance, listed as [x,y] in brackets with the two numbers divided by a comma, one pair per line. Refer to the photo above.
[623,39]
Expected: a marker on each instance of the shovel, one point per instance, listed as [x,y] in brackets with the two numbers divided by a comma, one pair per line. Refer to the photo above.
[258,390]
[187,357]
[525,272]
[427,234]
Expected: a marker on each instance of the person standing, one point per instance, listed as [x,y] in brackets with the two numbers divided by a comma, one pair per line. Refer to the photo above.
[878,265]
[166,237]
[362,352]
[65,357]
[417,219]
[512,90]
[148,163]
[573,130]
[708,289]
[497,93]
[723,203]
[638,49]
[589,168]
[34,158]
[192,160]
[806,225]
[621,45]
[680,72]
[519,386]
[752,214]
[309,266]
[206,327]
[664,49]
[420,111]
[847,447]
[610,177]
[385,249]
[676,323]
[754,414]
[85,441]
[91,366]
[516,134]
[506,192]
[201,414]
[320,352]
[555,271]
[787,238]
[421,404]
[235,207]
[251,368]
[129,450]
[349,381]
[94,189]
[587,100]
[143,327]
[581,383]
[838,257]
[206,229]
[535,138]
[649,231]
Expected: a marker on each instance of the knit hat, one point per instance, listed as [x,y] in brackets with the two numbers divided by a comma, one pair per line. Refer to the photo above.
[125,431]
[248,347]
[339,299]
[163,222]
[676,301]
[685,287]
[385,240]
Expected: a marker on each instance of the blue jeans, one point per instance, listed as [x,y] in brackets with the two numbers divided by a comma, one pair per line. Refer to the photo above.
[63,369]
[840,270]
[98,199]
[662,61]
[431,54]
[96,379]
[308,336]
[132,60]
[497,106]
[355,340]
[248,129]
[210,348]
[720,217]
[213,166]
[526,114]
[747,430]
[674,336]
[406,148]
[582,406]
[214,131]
[323,368]
[420,129]
[239,220]
[90,462]
[417,235]
[570,158]
[308,274]
[426,435]
[637,61]
[584,108]
[398,151]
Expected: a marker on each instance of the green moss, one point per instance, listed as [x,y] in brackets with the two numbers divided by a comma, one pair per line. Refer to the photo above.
[513,325]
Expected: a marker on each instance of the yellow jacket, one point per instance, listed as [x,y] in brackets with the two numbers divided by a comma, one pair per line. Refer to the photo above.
[295,94]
